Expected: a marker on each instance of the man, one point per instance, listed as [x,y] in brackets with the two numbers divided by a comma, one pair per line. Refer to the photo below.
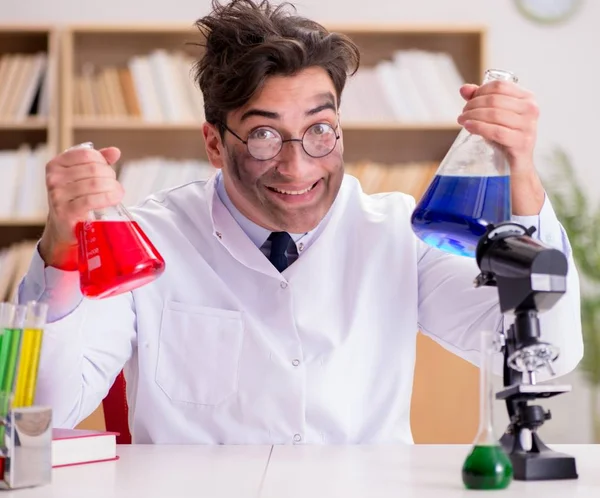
[291,300]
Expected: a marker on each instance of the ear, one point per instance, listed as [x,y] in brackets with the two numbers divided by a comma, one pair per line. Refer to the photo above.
[213,144]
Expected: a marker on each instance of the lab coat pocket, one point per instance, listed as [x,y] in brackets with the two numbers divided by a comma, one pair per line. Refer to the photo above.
[199,353]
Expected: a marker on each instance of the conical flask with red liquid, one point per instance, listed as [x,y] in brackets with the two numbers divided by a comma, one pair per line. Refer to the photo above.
[470,190]
[114,253]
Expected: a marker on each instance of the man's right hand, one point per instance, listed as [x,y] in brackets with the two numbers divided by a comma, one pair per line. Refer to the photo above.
[78,180]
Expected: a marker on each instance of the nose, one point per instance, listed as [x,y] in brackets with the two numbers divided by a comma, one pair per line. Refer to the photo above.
[293,161]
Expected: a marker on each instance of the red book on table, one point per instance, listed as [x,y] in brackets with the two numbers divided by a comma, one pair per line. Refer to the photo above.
[79,446]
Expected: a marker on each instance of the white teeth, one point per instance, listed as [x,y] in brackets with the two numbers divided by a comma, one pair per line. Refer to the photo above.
[293,192]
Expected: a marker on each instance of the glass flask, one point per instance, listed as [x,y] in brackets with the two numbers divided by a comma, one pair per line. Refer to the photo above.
[487,466]
[470,189]
[114,253]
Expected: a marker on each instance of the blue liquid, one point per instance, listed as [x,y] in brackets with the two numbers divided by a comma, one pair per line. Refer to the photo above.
[455,210]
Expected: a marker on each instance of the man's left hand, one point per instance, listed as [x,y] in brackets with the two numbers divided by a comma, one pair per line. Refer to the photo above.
[507,114]
[504,113]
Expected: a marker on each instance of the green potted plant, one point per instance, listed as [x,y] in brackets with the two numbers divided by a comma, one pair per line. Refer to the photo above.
[582,224]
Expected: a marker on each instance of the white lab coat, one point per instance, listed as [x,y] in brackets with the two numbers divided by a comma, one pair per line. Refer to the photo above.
[223,349]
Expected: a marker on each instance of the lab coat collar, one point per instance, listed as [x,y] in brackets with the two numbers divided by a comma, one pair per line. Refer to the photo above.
[232,237]
[222,212]
[257,234]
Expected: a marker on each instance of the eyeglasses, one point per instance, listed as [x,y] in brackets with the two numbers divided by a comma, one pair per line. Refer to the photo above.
[265,143]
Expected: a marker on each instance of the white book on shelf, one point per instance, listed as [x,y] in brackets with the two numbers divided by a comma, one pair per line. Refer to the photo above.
[195,97]
[129,176]
[138,181]
[39,201]
[31,186]
[350,107]
[387,77]
[169,95]
[169,175]
[410,88]
[450,76]
[373,97]
[423,66]
[7,270]
[9,179]
[146,90]
[20,179]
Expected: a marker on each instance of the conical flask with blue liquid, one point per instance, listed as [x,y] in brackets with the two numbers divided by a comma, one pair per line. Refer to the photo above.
[470,190]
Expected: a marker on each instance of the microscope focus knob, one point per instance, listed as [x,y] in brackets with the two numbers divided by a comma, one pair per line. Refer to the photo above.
[534,416]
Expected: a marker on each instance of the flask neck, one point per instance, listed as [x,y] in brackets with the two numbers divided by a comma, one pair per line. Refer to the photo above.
[485,434]
[499,75]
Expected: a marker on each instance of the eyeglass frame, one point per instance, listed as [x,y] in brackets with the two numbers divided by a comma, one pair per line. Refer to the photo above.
[283,141]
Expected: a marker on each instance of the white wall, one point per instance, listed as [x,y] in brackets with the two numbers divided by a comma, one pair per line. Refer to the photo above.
[556,63]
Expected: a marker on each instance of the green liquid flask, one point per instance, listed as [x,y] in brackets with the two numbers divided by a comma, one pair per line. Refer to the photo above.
[487,466]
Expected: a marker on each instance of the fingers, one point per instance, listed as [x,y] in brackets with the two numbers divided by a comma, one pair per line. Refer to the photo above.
[81,179]
[500,117]
[502,88]
[467,91]
[516,141]
[508,137]
[111,155]
[90,186]
[74,200]
[58,175]
[76,157]
[89,202]
[498,101]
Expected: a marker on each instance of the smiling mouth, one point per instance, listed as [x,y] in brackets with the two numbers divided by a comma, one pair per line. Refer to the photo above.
[293,192]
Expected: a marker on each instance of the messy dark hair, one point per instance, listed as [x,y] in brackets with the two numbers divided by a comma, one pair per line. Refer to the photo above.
[246,42]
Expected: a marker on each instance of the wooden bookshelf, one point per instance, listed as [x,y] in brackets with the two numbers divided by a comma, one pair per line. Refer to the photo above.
[29,107]
[445,399]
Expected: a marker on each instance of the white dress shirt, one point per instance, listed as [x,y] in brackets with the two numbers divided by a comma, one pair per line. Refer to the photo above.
[224,349]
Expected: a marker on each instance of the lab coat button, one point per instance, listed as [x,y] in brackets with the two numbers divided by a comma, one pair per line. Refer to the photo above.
[300,246]
[297,438]
[296,362]
[283,285]
[218,234]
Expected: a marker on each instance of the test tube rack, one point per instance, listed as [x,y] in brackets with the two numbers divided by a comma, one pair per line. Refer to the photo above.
[27,448]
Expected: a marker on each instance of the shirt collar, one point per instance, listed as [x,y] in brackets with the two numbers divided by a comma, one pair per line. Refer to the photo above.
[256,233]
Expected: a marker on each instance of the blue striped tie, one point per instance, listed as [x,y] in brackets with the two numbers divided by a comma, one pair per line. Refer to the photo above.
[279,244]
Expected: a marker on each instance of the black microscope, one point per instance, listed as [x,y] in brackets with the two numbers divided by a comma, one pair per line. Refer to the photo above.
[531,278]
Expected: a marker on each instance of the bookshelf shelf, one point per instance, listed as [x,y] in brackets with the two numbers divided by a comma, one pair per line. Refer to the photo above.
[132,124]
[135,124]
[22,222]
[28,124]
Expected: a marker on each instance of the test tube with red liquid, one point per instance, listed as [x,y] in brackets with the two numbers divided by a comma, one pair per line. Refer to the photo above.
[115,255]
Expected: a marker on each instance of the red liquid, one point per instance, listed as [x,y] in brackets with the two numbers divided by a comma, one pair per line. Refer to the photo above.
[115,257]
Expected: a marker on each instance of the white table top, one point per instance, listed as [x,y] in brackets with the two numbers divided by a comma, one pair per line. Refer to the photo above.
[153,471]
[421,471]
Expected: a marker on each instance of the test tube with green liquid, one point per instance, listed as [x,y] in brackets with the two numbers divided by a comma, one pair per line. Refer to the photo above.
[12,320]
[29,354]
[487,466]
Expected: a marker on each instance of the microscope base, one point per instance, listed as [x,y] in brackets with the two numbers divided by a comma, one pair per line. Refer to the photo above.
[539,464]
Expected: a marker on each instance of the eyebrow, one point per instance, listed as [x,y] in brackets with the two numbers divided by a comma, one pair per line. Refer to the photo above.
[329,104]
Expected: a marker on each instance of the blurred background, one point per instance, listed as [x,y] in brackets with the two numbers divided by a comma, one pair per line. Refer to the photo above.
[117,73]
